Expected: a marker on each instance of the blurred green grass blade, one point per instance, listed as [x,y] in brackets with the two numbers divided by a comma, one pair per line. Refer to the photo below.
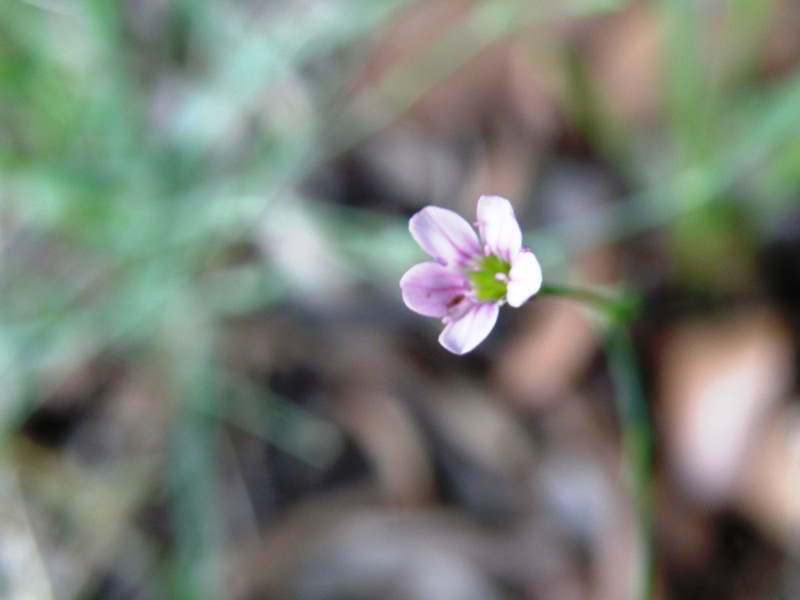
[193,467]
[700,85]
[747,27]
[281,422]
[770,126]
[771,122]
[246,61]
[487,23]
[688,94]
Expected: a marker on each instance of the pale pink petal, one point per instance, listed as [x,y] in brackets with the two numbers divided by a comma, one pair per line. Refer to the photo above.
[444,235]
[470,329]
[500,232]
[431,289]
[524,278]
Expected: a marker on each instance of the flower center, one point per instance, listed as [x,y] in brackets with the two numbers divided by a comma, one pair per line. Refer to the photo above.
[489,279]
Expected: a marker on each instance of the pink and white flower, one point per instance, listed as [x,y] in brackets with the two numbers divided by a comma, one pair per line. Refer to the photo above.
[474,273]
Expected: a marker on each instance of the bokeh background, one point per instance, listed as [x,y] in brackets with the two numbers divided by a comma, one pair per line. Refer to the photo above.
[209,385]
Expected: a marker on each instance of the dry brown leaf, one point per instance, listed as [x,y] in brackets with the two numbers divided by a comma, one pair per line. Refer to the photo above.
[783,38]
[547,353]
[391,441]
[623,51]
[769,483]
[718,379]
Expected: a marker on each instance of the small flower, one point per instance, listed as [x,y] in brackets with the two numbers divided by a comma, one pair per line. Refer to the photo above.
[473,275]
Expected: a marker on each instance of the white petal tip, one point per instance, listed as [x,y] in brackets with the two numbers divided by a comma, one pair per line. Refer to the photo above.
[525,279]
[463,334]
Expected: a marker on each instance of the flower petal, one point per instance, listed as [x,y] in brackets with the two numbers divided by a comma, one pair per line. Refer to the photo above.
[500,232]
[524,278]
[444,235]
[470,329]
[430,289]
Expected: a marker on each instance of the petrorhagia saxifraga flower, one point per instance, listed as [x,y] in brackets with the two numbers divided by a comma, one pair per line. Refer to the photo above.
[474,274]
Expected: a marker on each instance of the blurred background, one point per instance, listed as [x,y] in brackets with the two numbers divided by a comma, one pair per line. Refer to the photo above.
[209,385]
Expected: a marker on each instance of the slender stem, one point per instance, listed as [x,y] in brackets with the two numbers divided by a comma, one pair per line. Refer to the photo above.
[637,447]
[584,294]
[619,308]
[637,440]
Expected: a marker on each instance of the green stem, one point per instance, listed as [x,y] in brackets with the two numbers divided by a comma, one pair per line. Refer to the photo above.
[620,308]
[637,440]
[637,448]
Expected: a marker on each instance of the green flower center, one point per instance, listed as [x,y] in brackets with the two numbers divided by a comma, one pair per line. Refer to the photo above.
[486,285]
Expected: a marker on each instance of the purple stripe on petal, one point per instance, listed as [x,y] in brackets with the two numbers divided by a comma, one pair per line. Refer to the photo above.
[444,235]
[470,329]
[500,232]
[431,289]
